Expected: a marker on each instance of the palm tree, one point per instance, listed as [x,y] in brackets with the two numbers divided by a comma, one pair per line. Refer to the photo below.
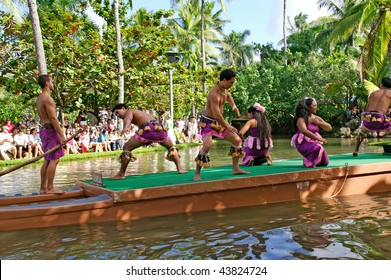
[13,7]
[187,29]
[284,34]
[38,42]
[236,53]
[203,54]
[372,20]
[119,52]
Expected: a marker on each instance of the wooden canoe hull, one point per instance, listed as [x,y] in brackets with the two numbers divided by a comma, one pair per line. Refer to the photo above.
[192,197]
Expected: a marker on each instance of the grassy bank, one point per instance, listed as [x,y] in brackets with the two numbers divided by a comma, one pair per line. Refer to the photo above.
[92,155]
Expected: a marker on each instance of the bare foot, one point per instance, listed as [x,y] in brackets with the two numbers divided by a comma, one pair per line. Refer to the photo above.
[182,171]
[239,171]
[55,191]
[117,177]
[42,192]
[197,177]
[269,160]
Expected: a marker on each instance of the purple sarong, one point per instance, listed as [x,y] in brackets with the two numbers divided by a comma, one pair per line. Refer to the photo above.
[217,130]
[253,149]
[150,132]
[50,138]
[375,121]
[313,152]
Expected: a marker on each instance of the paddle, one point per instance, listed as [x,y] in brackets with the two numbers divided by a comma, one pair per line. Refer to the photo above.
[38,157]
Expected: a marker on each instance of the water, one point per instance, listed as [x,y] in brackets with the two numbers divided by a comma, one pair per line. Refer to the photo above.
[353,227]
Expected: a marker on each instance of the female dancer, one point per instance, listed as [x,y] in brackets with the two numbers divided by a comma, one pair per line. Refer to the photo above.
[257,145]
[307,139]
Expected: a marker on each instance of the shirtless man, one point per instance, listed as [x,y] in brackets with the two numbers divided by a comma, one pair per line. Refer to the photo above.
[51,135]
[150,130]
[376,117]
[213,124]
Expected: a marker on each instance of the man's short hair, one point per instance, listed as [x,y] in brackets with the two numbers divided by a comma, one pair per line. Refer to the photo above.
[227,74]
[386,82]
[42,79]
[120,106]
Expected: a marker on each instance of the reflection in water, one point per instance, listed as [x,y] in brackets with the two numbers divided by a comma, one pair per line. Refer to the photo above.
[278,231]
[352,227]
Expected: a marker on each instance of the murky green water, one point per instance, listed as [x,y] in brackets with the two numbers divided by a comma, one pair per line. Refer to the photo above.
[353,227]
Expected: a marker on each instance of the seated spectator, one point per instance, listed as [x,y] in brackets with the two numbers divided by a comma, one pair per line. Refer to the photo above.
[115,140]
[104,140]
[30,122]
[35,142]
[21,142]
[20,124]
[66,123]
[7,149]
[72,147]
[94,144]
[102,124]
[84,141]
[10,125]
[110,125]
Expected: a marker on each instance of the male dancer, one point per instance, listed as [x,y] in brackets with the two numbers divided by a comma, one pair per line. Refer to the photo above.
[213,124]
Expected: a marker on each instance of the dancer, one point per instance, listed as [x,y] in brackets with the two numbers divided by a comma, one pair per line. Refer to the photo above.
[257,145]
[150,130]
[213,124]
[307,139]
[376,117]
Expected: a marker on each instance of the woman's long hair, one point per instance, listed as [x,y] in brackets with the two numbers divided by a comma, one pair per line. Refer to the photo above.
[263,126]
[302,111]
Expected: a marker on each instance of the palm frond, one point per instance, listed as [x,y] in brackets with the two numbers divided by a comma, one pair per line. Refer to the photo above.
[370,87]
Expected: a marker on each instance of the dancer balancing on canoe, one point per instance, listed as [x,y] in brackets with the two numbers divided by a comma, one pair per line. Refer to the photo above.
[212,123]
[150,131]
[51,134]
[376,117]
[307,140]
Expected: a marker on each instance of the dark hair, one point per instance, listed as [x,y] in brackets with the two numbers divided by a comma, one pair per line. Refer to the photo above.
[120,106]
[386,82]
[302,110]
[42,79]
[227,74]
[263,126]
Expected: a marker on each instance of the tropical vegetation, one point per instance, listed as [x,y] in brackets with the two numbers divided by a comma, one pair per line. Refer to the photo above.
[330,59]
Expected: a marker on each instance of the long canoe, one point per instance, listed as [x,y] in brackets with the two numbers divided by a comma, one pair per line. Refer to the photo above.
[167,193]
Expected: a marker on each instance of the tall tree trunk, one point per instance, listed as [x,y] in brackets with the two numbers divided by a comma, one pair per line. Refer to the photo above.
[284,32]
[389,58]
[120,59]
[203,58]
[119,53]
[40,51]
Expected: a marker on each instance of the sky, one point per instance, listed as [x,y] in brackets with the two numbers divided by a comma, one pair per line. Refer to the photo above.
[263,18]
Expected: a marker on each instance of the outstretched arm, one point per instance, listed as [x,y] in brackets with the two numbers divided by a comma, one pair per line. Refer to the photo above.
[245,128]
